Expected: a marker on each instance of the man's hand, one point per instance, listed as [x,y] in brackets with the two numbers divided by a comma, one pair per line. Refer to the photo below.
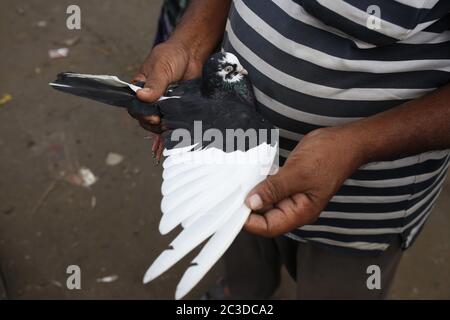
[312,174]
[167,63]
[323,159]
[181,57]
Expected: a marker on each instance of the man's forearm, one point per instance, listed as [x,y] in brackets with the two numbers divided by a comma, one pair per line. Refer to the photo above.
[417,126]
[202,26]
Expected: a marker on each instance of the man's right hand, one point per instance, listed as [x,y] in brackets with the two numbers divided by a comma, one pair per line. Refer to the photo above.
[181,57]
[167,63]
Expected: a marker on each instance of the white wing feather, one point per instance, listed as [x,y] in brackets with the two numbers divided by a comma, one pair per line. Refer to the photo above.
[204,191]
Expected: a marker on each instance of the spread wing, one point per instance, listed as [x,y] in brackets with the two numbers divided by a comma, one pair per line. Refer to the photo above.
[204,191]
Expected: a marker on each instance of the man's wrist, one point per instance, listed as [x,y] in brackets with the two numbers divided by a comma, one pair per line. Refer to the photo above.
[201,27]
[354,142]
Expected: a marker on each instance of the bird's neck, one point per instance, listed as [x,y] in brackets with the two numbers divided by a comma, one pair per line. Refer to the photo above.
[216,89]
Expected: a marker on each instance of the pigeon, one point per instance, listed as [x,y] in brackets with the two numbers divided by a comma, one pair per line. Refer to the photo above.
[217,148]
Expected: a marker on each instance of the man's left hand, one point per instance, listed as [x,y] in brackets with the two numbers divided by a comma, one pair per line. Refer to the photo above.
[312,174]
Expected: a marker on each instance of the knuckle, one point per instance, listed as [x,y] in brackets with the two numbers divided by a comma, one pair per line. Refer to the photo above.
[272,189]
[309,211]
[271,232]
[294,206]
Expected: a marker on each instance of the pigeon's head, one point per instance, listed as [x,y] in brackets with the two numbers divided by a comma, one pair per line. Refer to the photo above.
[222,72]
[226,66]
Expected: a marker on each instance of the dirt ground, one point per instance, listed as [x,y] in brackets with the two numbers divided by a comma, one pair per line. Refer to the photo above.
[48,222]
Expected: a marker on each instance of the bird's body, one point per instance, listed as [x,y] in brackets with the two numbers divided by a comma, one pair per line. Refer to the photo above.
[218,148]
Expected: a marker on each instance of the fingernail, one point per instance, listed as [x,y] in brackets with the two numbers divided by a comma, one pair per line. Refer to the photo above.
[146,89]
[255,202]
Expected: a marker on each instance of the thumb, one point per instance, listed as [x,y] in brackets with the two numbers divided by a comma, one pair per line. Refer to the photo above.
[155,87]
[268,192]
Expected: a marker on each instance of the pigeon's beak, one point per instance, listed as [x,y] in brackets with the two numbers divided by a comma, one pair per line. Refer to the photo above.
[243,71]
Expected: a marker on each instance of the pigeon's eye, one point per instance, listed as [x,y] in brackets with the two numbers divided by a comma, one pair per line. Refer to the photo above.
[228,69]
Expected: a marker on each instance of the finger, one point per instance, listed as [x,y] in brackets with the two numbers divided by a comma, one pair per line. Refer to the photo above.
[270,224]
[152,128]
[289,214]
[155,86]
[136,114]
[265,209]
[153,119]
[140,111]
[272,190]
[256,223]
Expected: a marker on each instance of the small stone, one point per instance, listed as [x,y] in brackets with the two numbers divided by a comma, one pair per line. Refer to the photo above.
[87,177]
[108,279]
[41,24]
[113,159]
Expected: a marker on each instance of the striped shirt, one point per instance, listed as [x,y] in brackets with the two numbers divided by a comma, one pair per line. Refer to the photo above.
[316,63]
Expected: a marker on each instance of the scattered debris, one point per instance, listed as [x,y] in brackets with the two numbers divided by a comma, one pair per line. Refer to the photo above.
[84,178]
[103,50]
[31,144]
[57,283]
[5,99]
[108,279]
[93,202]
[41,24]
[58,53]
[87,177]
[37,70]
[113,159]
[20,11]
[43,197]
[71,41]
[73,178]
